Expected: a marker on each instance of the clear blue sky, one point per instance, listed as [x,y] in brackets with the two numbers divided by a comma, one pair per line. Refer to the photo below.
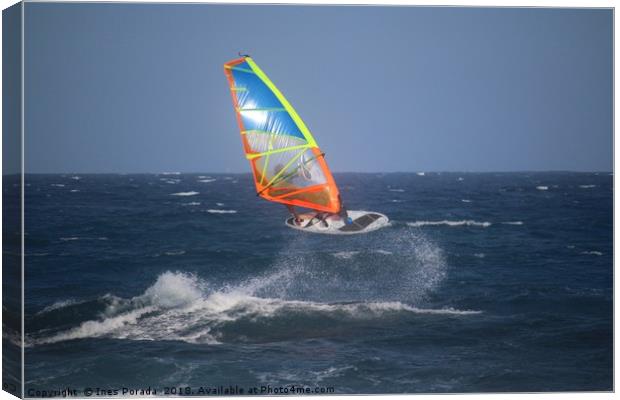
[140,88]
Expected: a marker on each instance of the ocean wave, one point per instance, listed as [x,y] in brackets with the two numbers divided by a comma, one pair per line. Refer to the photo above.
[417,224]
[207,180]
[72,238]
[397,190]
[59,305]
[174,252]
[214,211]
[191,203]
[420,173]
[513,223]
[542,187]
[465,201]
[57,185]
[185,194]
[587,186]
[592,253]
[345,255]
[179,306]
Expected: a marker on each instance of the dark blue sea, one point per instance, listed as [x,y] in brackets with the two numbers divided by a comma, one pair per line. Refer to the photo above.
[483,282]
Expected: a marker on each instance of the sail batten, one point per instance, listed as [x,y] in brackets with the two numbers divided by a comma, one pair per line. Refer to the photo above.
[287,165]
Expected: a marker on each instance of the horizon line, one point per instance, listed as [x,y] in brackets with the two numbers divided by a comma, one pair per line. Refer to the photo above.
[334,172]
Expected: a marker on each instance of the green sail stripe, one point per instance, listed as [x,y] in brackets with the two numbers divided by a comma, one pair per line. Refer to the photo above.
[288,164]
[283,149]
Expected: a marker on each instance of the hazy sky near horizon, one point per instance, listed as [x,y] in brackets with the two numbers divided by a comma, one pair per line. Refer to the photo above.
[141,88]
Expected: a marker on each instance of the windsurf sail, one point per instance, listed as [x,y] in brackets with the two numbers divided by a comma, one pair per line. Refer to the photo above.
[287,164]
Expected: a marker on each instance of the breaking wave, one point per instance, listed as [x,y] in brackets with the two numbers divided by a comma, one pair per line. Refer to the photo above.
[301,294]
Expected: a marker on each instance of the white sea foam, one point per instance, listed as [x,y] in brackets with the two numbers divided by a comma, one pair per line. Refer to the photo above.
[174,252]
[483,224]
[587,186]
[466,201]
[58,305]
[171,173]
[397,190]
[191,203]
[179,306]
[74,190]
[420,173]
[66,239]
[207,180]
[219,204]
[57,185]
[185,194]
[542,187]
[345,255]
[592,253]
[513,223]
[479,255]
[460,179]
[384,252]
[214,211]
[76,178]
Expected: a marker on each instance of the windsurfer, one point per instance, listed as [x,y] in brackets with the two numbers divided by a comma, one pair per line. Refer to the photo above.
[293,212]
[343,212]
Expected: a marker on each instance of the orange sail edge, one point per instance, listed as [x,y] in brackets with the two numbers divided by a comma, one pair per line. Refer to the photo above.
[307,198]
[323,197]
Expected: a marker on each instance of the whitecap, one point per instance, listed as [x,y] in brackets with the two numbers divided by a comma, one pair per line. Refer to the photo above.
[466,201]
[212,211]
[513,223]
[542,187]
[397,190]
[587,186]
[207,180]
[592,253]
[57,185]
[345,255]
[58,305]
[174,252]
[185,194]
[483,224]
[420,173]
